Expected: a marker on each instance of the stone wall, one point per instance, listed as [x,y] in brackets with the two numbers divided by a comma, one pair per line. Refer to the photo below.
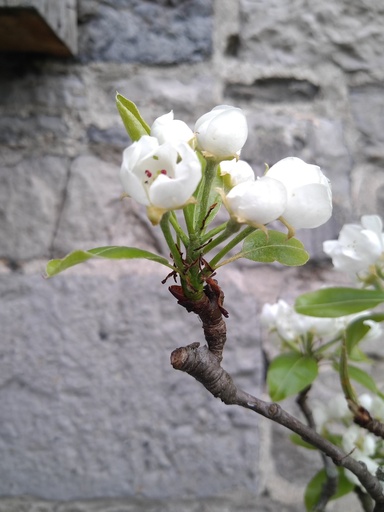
[90,406]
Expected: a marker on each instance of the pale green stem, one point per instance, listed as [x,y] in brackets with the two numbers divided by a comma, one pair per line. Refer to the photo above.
[325,346]
[236,240]
[215,231]
[204,193]
[189,213]
[230,229]
[164,224]
[176,226]
[345,382]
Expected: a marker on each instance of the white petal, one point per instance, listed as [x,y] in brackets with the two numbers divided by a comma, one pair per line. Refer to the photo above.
[167,129]
[260,201]
[308,206]
[170,192]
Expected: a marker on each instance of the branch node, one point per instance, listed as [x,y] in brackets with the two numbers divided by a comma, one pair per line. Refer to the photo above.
[274,410]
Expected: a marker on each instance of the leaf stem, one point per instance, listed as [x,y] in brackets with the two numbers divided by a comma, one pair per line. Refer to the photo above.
[236,240]
[178,230]
[189,213]
[215,231]
[345,382]
[164,225]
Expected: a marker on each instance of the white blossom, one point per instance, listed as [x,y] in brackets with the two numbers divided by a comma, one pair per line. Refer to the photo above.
[256,202]
[222,132]
[358,245]
[332,410]
[160,176]
[167,129]
[374,405]
[361,445]
[309,197]
[290,325]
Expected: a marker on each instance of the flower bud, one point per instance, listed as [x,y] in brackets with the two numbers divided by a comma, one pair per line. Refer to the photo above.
[309,199]
[167,129]
[256,202]
[222,132]
[160,176]
[237,171]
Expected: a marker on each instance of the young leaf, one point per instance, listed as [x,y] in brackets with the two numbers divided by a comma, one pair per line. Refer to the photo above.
[274,247]
[314,488]
[110,252]
[363,378]
[134,124]
[289,374]
[335,302]
[357,329]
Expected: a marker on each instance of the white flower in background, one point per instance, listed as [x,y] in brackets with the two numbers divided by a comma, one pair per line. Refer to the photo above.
[361,445]
[167,129]
[309,197]
[238,171]
[335,409]
[374,405]
[358,245]
[289,325]
[256,202]
[222,132]
[160,176]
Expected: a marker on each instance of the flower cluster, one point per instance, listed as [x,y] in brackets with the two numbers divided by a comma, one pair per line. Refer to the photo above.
[359,246]
[162,170]
[290,327]
[334,417]
[281,319]
[297,192]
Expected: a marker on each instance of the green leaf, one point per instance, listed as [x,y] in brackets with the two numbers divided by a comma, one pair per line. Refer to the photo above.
[289,374]
[357,329]
[134,124]
[335,302]
[110,252]
[274,247]
[313,490]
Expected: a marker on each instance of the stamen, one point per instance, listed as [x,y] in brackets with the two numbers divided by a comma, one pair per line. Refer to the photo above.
[148,174]
[163,171]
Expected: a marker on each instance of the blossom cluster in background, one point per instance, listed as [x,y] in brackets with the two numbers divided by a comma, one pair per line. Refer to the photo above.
[359,248]
[334,420]
[282,320]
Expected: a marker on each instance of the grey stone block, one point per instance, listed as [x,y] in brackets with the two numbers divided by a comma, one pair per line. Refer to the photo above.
[346,33]
[366,105]
[93,213]
[135,31]
[31,191]
[237,502]
[90,404]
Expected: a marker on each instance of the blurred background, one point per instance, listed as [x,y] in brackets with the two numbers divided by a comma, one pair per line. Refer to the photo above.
[90,407]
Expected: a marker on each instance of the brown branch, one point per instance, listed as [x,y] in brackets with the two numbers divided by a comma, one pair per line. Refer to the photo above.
[210,310]
[204,367]
[203,363]
[363,418]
